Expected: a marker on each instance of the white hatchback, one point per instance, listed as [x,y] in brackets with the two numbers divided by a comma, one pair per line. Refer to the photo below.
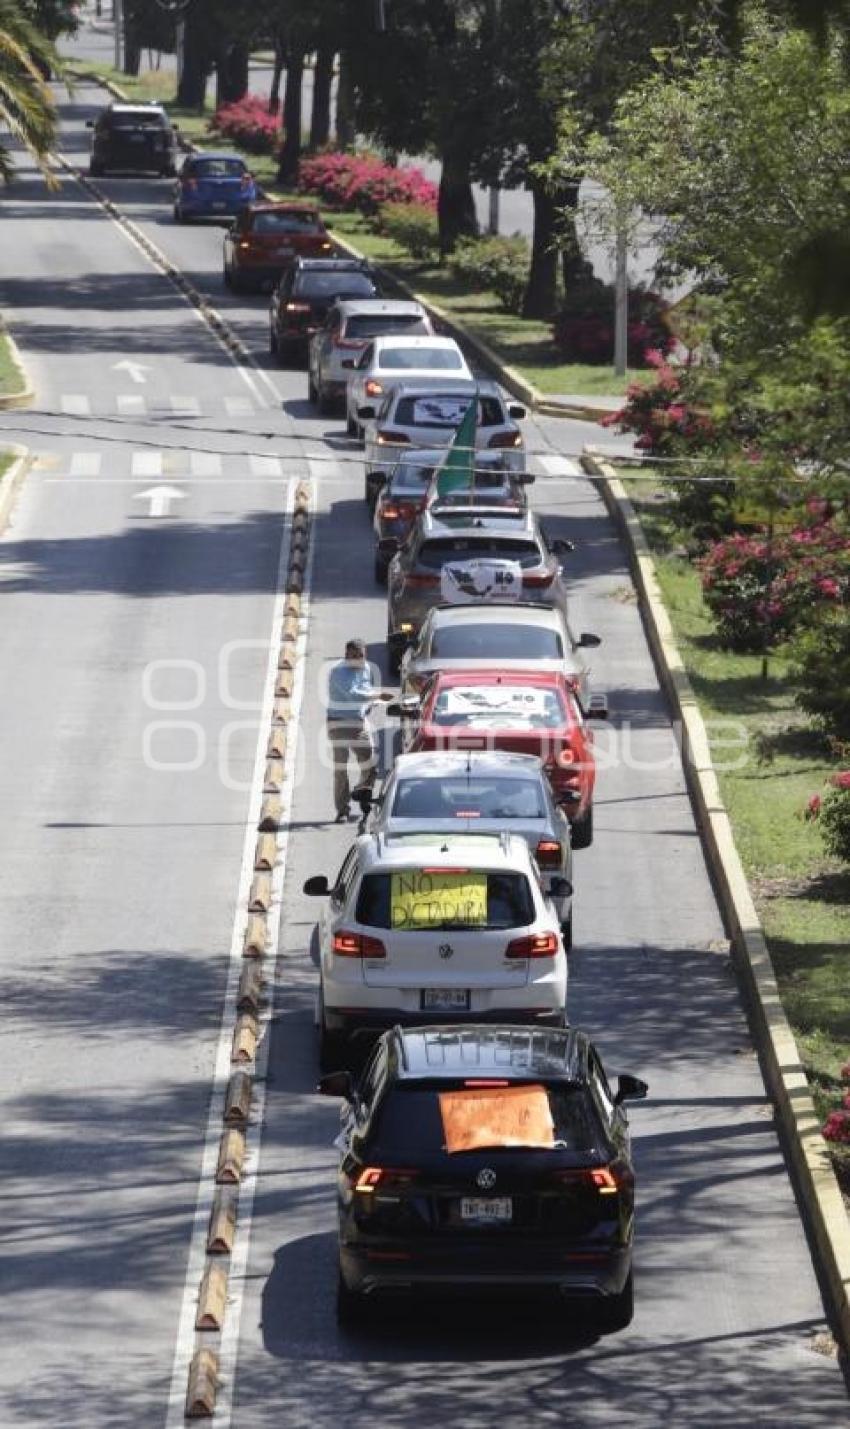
[436,927]
[394,358]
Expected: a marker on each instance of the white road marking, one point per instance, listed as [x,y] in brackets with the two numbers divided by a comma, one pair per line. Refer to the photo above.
[146,463]
[130,405]
[558,465]
[185,1343]
[238,406]
[75,405]
[136,371]
[185,406]
[85,463]
[160,498]
[265,465]
[205,463]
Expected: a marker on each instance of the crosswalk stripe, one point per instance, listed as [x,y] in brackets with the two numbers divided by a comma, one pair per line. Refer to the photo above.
[239,406]
[129,405]
[205,463]
[85,463]
[75,405]
[265,465]
[558,465]
[184,406]
[146,463]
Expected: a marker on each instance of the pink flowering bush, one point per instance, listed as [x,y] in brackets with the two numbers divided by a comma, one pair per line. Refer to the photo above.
[659,411]
[248,122]
[832,813]
[758,588]
[836,1127]
[364,182]
[583,330]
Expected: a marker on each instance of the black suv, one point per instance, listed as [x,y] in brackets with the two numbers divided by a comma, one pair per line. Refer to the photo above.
[138,137]
[306,292]
[484,1157]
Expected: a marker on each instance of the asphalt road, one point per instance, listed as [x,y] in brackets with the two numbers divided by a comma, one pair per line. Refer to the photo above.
[119,882]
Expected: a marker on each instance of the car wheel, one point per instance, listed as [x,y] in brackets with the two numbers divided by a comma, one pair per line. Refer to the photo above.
[312,394]
[349,1303]
[617,1312]
[323,402]
[567,932]
[331,1050]
[273,347]
[179,215]
[583,829]
[381,569]
[351,427]
[227,277]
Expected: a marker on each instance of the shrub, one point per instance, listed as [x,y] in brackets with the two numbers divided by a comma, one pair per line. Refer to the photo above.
[414,226]
[821,670]
[364,182]
[583,329]
[499,264]
[659,413]
[759,588]
[248,122]
[835,817]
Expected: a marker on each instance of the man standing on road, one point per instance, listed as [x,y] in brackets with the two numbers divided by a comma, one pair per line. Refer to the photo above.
[350,694]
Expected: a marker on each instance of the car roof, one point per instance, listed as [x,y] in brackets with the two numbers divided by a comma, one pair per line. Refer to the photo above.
[395,307]
[534,679]
[399,339]
[507,523]
[269,207]
[519,612]
[152,106]
[512,1053]
[215,154]
[381,852]
[438,763]
[445,386]
[335,265]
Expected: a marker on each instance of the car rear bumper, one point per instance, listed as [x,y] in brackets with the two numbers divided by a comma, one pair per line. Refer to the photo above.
[368,1020]
[467,1264]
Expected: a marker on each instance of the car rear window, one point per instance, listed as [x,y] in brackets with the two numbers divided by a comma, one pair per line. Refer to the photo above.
[499,707]
[292,222]
[445,411]
[418,898]
[468,798]
[435,552]
[409,1123]
[437,359]
[499,642]
[216,168]
[379,324]
[138,121]
[410,481]
[329,284]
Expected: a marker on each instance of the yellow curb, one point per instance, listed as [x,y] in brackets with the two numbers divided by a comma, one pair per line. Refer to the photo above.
[784,1073]
[256,938]
[246,1035]
[222,1227]
[275,772]
[271,813]
[11,481]
[231,1156]
[265,854]
[250,992]
[286,658]
[212,1299]
[26,394]
[284,683]
[237,1101]
[282,710]
[276,747]
[203,1385]
[260,897]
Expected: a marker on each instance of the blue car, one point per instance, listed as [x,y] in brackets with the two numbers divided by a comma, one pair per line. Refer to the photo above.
[213,185]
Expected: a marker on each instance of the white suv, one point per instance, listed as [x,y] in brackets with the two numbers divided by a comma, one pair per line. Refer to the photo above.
[436,927]
[393,358]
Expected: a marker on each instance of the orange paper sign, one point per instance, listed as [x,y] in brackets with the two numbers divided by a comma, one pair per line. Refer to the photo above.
[497,1116]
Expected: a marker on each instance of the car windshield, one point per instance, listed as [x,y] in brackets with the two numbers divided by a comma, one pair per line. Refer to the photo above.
[468,797]
[270,222]
[397,359]
[415,899]
[435,552]
[445,411]
[410,1124]
[376,324]
[217,169]
[138,121]
[329,284]
[490,641]
[499,707]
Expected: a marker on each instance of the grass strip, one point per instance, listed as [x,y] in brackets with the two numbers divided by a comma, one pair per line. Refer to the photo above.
[10,374]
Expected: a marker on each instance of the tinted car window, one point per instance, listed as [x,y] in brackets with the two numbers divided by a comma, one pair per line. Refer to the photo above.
[399,359]
[468,798]
[323,284]
[216,168]
[409,1121]
[440,549]
[509,900]
[285,223]
[410,478]
[506,642]
[369,325]
[137,121]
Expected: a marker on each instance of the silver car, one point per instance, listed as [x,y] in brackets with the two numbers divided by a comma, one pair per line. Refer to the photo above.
[470,555]
[516,636]
[480,793]
[349,326]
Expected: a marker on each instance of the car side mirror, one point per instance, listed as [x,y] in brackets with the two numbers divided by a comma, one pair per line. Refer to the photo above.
[597,707]
[565,796]
[89,123]
[406,708]
[347,362]
[365,413]
[336,1084]
[562,547]
[364,797]
[560,888]
[630,1089]
[317,886]
[516,411]
[588,641]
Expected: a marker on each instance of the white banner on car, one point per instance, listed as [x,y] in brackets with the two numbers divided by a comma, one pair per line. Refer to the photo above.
[466,582]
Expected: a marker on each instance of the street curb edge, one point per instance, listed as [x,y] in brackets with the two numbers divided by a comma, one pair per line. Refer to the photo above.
[11,481]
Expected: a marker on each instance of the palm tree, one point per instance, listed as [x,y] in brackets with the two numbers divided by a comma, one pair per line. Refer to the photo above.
[27,112]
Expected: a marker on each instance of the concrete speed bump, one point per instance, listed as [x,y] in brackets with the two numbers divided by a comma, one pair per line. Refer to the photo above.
[271,813]
[275,773]
[284,684]
[256,940]
[231,1158]
[295,580]
[260,896]
[250,992]
[246,1035]
[237,1101]
[276,747]
[203,1385]
[286,658]
[290,628]
[212,1299]
[282,710]
[265,854]
[222,1227]
[293,603]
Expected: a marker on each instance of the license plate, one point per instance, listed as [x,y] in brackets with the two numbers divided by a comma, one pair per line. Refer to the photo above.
[219,205]
[487,1210]
[284,252]
[136,138]
[445,999]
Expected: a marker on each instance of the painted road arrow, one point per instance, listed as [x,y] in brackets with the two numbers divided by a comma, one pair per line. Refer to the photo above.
[160,498]
[135,370]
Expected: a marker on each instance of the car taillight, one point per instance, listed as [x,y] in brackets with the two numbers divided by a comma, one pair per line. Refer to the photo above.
[536,945]
[540,581]
[373,388]
[418,580]
[373,1177]
[357,945]
[607,1180]
[549,853]
[387,437]
[399,511]
[189,184]
[326,247]
[565,758]
[506,439]
[351,344]
[298,307]
[244,243]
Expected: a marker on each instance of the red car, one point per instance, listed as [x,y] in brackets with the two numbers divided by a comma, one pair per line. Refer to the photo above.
[267,238]
[525,712]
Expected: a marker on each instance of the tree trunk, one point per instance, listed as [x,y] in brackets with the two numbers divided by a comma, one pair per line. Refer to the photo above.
[574,267]
[290,152]
[132,50]
[192,82]
[274,93]
[455,204]
[320,119]
[231,74]
[345,130]
[539,300]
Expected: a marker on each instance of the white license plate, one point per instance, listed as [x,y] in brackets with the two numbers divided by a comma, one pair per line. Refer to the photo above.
[445,999]
[486,1210]
[284,252]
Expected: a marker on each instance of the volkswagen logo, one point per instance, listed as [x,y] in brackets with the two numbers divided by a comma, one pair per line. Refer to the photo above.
[486,1178]
[446,950]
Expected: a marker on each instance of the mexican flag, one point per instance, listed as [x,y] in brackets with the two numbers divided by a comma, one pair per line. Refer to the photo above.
[457,473]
